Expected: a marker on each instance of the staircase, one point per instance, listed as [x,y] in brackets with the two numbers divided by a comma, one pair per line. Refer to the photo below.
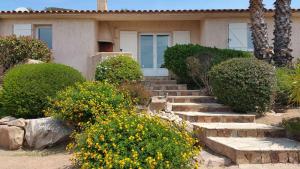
[233,135]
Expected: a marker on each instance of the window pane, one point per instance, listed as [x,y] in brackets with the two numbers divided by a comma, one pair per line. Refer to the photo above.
[147,51]
[162,45]
[45,34]
[250,40]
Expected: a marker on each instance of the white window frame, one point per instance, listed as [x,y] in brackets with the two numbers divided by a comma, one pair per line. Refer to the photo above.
[43,26]
[181,37]
[18,28]
[228,38]
[154,46]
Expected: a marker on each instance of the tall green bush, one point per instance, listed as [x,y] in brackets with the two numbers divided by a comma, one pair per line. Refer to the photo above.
[295,80]
[15,50]
[175,57]
[119,69]
[284,86]
[134,141]
[247,85]
[26,87]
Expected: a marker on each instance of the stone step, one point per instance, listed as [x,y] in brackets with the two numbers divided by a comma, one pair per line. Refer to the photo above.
[251,150]
[204,130]
[216,117]
[162,81]
[176,92]
[200,107]
[191,99]
[148,78]
[167,87]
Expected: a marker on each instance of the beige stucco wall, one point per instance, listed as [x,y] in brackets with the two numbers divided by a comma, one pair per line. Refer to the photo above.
[73,40]
[214,32]
[153,27]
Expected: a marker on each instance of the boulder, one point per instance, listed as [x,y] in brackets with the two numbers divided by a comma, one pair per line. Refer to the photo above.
[32,61]
[6,119]
[11,137]
[18,123]
[45,132]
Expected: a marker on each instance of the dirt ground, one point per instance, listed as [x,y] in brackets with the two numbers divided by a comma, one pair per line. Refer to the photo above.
[276,118]
[55,158]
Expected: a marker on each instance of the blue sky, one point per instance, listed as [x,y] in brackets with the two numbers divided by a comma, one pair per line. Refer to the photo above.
[135,4]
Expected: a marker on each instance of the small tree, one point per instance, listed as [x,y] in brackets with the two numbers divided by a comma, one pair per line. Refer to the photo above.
[282,33]
[262,49]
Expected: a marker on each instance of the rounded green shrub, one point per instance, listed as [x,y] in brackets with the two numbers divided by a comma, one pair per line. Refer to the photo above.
[85,102]
[247,85]
[292,125]
[118,69]
[15,50]
[134,141]
[26,87]
[175,58]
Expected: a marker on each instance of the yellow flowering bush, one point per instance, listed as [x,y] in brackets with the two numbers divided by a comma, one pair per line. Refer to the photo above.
[87,101]
[133,141]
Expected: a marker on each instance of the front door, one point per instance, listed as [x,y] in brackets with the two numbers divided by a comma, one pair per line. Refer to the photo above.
[152,48]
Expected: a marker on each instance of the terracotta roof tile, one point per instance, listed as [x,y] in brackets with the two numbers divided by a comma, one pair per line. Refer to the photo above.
[131,11]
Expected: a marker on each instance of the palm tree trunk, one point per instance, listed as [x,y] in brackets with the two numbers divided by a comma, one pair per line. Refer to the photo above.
[282,33]
[262,49]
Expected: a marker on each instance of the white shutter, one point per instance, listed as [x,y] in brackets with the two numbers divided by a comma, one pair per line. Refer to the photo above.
[22,29]
[129,42]
[181,37]
[238,36]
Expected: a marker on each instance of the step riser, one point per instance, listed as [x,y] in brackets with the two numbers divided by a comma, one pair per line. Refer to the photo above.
[148,78]
[203,132]
[191,100]
[170,87]
[178,93]
[190,108]
[218,119]
[163,82]
[254,157]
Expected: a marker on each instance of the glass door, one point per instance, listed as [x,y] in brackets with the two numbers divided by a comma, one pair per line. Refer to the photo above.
[152,48]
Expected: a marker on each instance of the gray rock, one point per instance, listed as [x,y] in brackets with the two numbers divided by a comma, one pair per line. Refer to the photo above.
[6,119]
[45,132]
[18,123]
[32,61]
[11,137]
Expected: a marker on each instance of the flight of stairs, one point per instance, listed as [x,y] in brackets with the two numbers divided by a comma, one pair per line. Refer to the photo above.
[233,135]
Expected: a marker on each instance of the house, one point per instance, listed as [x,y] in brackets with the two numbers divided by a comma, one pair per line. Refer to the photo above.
[76,36]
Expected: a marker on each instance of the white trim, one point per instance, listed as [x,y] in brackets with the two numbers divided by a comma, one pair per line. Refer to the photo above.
[22,30]
[129,42]
[155,71]
[181,37]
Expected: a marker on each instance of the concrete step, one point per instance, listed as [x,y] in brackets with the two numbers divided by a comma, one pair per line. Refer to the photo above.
[167,87]
[191,99]
[204,130]
[161,81]
[176,92]
[148,78]
[200,107]
[256,150]
[216,117]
